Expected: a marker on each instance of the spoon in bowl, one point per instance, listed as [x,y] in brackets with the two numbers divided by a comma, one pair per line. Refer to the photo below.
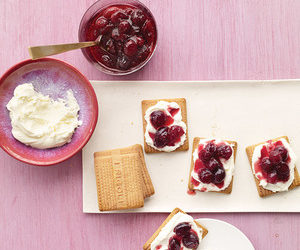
[49,50]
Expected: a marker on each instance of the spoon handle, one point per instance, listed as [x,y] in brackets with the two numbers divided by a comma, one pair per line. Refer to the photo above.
[48,50]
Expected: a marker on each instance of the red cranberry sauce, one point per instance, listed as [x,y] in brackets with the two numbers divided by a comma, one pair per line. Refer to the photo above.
[191,192]
[184,235]
[166,134]
[128,36]
[195,182]
[273,163]
[209,166]
[173,111]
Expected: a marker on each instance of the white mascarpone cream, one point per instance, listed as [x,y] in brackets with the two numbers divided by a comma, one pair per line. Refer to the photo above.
[279,186]
[227,164]
[163,106]
[41,122]
[167,231]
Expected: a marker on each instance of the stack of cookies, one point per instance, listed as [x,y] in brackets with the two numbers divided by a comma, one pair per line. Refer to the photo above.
[122,178]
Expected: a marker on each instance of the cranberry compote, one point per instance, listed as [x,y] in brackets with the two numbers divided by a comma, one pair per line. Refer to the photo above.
[185,235]
[167,136]
[161,138]
[166,133]
[174,244]
[209,166]
[182,229]
[128,37]
[190,241]
[273,163]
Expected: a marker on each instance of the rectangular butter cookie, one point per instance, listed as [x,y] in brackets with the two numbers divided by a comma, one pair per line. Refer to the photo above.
[119,181]
[137,148]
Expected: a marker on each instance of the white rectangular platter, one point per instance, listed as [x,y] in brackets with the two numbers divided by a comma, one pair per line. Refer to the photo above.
[245,111]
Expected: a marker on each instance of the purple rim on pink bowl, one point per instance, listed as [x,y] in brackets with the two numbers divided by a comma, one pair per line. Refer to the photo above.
[50,77]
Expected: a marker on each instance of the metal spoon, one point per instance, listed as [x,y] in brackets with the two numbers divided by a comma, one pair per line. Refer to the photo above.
[48,50]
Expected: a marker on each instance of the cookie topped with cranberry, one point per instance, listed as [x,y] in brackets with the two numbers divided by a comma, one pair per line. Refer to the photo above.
[178,232]
[212,165]
[164,123]
[273,166]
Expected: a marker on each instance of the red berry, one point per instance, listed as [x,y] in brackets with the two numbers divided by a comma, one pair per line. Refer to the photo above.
[272,177]
[213,165]
[190,241]
[205,156]
[138,18]
[219,175]
[109,11]
[101,22]
[211,148]
[117,16]
[143,53]
[205,175]
[283,172]
[224,151]
[175,132]
[174,244]
[283,151]
[140,42]
[124,27]
[161,138]
[106,29]
[148,30]
[275,157]
[158,118]
[130,48]
[182,229]
[128,11]
[124,37]
[123,62]
[266,165]
[208,152]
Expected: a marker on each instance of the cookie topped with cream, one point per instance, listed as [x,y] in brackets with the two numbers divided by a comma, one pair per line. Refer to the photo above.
[165,128]
[212,166]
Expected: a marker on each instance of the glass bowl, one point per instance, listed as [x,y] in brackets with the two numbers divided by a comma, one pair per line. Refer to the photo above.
[119,57]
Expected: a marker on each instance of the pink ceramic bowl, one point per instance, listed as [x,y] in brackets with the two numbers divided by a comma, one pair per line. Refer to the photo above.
[50,77]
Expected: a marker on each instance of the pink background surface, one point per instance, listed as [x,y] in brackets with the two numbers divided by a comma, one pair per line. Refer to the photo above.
[41,208]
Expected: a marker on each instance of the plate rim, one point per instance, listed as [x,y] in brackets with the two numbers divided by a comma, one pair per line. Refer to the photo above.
[227,224]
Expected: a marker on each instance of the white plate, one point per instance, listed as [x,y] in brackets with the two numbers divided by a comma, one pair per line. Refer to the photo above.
[245,111]
[223,236]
